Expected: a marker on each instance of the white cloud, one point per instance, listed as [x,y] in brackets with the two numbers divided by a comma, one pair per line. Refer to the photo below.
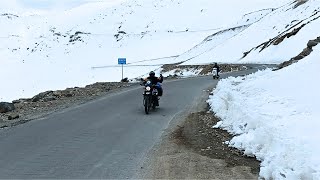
[9,5]
[17,6]
[53,4]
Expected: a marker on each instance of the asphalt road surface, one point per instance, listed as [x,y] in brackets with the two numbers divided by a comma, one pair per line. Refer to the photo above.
[105,138]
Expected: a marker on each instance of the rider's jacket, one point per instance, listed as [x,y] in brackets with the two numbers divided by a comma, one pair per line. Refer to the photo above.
[155,80]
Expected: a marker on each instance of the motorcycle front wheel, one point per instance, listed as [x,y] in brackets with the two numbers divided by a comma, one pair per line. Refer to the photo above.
[146,104]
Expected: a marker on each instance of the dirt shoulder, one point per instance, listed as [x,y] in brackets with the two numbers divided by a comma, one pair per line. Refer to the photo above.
[194,150]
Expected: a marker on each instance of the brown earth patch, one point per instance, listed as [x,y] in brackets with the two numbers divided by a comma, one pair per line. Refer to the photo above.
[194,150]
[197,134]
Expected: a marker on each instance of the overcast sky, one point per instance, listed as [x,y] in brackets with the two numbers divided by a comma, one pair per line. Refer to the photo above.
[48,4]
[43,4]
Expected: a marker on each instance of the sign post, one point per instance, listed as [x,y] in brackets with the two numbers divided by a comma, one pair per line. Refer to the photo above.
[122,61]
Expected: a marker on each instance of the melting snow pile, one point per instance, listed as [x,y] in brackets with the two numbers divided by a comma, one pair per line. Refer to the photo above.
[274,116]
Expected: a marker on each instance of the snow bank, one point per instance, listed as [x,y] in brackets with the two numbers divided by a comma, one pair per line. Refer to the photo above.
[275,117]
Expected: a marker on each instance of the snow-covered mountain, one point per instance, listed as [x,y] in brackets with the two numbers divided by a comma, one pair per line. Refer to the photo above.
[43,50]
[281,34]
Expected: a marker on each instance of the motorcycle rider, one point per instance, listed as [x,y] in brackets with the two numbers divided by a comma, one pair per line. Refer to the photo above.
[155,81]
[218,68]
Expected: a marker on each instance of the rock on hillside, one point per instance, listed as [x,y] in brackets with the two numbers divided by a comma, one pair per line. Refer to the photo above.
[6,107]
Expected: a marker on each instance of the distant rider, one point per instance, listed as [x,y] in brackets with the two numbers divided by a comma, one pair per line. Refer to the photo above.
[155,81]
[218,68]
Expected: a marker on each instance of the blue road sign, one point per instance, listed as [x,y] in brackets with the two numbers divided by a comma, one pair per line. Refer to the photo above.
[122,61]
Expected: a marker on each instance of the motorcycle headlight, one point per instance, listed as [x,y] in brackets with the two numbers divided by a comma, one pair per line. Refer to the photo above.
[148,88]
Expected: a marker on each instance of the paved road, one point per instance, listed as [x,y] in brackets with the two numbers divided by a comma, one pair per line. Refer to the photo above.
[106,138]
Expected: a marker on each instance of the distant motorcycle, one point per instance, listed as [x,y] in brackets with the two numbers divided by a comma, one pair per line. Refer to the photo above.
[150,96]
[215,73]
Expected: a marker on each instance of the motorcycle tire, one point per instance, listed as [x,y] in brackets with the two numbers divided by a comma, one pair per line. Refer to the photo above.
[147,104]
[154,103]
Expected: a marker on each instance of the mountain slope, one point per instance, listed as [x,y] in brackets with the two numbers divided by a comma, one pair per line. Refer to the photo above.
[55,50]
[280,35]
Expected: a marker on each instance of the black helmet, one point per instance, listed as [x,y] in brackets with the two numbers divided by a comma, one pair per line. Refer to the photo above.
[152,74]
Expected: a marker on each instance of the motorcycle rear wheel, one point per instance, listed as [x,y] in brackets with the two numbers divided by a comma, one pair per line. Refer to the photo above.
[153,105]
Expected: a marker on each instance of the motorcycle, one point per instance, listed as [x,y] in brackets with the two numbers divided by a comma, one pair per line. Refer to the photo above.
[150,96]
[215,73]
